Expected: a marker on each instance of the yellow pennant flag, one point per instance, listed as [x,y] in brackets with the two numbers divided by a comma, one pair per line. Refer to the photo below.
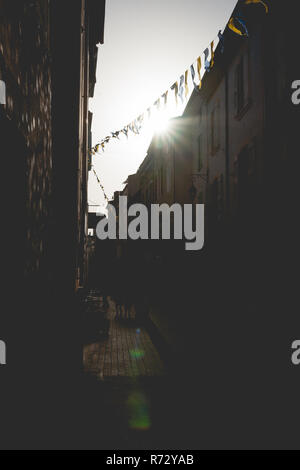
[258,1]
[199,65]
[212,62]
[232,26]
[186,84]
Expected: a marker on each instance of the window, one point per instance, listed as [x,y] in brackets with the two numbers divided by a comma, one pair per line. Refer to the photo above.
[241,88]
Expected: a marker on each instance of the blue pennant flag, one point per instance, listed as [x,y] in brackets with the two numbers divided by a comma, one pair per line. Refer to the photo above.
[241,20]
[181,88]
[222,42]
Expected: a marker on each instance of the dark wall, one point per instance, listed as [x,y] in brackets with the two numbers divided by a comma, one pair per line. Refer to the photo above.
[25,64]
[39,130]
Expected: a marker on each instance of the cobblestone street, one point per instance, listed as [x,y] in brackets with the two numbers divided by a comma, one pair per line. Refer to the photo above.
[124,377]
[127,352]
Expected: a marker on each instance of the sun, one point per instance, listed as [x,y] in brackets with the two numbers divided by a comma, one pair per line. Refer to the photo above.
[160,123]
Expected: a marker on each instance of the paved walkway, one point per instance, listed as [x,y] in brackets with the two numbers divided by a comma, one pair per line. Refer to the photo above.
[130,399]
[127,352]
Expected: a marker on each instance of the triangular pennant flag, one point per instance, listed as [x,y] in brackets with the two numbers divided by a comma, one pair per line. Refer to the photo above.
[221,39]
[241,20]
[247,2]
[165,98]
[181,89]
[186,84]
[206,61]
[193,74]
[137,126]
[199,66]
[175,88]
[212,62]
[140,119]
[233,28]
[125,131]
[132,127]
[139,123]
[157,103]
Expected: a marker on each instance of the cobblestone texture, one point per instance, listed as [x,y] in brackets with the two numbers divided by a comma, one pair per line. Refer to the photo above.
[127,352]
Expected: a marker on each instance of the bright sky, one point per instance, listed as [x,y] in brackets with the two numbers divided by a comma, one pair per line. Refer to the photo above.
[148,45]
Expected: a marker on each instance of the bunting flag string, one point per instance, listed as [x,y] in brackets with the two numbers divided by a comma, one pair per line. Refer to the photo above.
[236,24]
[100,184]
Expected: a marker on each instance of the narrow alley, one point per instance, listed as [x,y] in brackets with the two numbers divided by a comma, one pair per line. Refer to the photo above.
[125,351]
[150,195]
[124,374]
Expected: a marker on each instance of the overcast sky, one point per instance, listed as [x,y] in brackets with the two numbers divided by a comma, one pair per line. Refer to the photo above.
[148,45]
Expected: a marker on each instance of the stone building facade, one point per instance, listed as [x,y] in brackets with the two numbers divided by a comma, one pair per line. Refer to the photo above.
[48,60]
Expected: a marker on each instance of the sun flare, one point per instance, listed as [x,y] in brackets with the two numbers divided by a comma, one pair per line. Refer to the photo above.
[160,123]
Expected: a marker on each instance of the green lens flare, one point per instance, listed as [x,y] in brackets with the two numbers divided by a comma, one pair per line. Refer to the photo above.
[139,418]
[137,353]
